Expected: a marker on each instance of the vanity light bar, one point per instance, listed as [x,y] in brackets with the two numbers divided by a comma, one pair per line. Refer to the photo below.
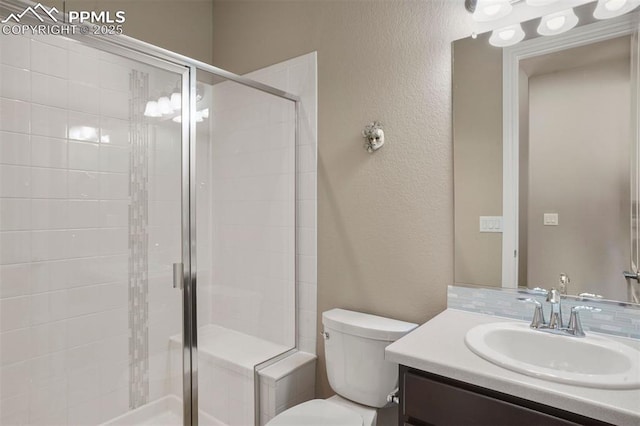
[551,24]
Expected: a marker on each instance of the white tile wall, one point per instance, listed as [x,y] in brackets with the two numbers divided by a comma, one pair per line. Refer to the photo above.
[64,212]
[253,206]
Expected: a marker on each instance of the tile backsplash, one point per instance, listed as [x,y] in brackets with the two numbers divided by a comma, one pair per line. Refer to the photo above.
[615,318]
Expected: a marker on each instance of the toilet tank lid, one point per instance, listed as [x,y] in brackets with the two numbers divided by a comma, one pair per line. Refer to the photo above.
[366,325]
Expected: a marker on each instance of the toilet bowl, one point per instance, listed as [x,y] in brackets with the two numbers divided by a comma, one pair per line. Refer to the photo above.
[357,371]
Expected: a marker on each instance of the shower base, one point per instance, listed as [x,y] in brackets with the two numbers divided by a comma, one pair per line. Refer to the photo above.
[166,411]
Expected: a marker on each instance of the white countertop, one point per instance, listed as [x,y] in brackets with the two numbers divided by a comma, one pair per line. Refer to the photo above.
[438,347]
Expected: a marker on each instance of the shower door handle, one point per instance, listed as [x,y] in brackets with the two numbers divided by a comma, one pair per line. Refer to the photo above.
[631,275]
[178,276]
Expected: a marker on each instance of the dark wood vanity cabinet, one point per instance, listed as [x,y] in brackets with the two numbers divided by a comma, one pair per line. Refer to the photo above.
[431,400]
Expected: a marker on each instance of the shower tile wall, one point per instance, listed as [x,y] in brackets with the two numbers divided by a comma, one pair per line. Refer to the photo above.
[253,206]
[253,213]
[299,76]
[64,199]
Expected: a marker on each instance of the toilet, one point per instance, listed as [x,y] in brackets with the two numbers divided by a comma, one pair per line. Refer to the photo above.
[357,371]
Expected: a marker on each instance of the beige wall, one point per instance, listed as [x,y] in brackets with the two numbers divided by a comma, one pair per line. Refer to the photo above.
[182,26]
[579,168]
[477,147]
[385,221]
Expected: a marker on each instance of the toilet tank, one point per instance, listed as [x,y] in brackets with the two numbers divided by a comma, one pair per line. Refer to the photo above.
[354,351]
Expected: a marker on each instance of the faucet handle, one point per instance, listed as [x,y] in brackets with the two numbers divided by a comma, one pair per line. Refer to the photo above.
[538,316]
[585,308]
[575,325]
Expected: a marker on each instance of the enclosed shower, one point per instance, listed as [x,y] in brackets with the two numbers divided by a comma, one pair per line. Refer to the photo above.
[157,234]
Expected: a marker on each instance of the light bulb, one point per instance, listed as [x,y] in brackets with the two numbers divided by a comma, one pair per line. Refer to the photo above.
[491,10]
[557,23]
[152,110]
[614,5]
[176,101]
[507,36]
[537,3]
[164,106]
[606,9]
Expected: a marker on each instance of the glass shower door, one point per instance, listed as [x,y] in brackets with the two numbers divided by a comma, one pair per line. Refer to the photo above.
[91,219]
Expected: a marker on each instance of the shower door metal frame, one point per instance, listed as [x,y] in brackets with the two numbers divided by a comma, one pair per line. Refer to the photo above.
[188,68]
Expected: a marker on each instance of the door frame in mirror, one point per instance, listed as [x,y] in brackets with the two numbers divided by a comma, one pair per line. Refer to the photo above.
[511,57]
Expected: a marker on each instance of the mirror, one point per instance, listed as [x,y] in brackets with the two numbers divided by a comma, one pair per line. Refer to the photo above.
[545,132]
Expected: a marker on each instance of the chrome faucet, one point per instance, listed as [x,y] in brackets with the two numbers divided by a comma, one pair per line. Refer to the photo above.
[563,283]
[555,324]
[555,318]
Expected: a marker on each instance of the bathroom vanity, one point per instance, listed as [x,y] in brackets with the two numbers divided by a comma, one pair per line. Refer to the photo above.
[443,382]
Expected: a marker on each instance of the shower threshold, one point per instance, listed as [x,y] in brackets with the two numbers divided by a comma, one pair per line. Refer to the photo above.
[166,411]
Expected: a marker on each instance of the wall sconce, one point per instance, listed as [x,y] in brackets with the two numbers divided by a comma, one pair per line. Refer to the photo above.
[374,136]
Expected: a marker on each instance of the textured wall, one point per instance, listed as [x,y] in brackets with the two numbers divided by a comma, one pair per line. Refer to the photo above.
[385,221]
[182,26]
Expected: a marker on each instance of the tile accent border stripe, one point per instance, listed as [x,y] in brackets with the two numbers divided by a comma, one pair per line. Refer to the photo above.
[618,319]
[138,242]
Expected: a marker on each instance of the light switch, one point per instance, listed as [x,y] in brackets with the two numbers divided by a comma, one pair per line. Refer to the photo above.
[551,219]
[490,223]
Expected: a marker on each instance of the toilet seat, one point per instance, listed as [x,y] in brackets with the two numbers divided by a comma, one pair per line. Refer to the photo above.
[317,412]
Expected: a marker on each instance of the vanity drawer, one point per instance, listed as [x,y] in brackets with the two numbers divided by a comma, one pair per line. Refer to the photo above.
[427,399]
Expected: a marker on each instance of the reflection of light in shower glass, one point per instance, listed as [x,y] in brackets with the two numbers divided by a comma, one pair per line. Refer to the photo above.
[164,106]
[507,36]
[606,9]
[83,133]
[176,101]
[490,10]
[152,109]
[105,139]
[557,23]
[200,116]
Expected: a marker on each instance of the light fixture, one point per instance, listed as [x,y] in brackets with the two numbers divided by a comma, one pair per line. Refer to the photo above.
[164,105]
[538,3]
[176,101]
[606,9]
[557,23]
[491,10]
[152,109]
[507,36]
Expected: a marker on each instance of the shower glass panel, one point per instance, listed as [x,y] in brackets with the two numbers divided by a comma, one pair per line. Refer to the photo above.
[246,239]
[90,225]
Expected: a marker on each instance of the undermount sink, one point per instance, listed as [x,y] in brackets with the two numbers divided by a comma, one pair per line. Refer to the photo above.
[590,361]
